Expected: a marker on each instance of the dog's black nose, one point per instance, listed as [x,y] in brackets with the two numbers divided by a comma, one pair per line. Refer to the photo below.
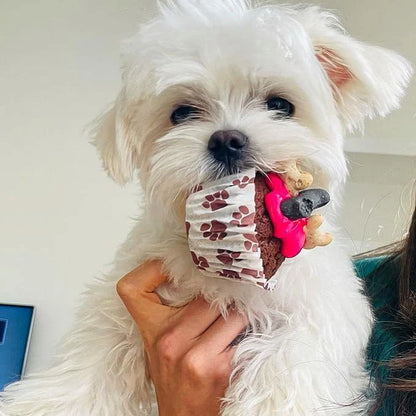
[227,145]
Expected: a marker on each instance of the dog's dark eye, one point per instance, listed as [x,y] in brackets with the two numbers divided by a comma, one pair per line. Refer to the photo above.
[283,107]
[183,113]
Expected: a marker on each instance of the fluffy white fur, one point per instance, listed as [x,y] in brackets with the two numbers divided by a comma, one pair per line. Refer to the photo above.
[306,355]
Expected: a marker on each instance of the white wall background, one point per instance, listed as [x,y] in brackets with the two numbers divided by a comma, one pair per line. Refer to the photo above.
[61,218]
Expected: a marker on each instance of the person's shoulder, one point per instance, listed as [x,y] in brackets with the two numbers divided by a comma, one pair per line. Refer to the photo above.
[380,277]
[365,266]
[379,271]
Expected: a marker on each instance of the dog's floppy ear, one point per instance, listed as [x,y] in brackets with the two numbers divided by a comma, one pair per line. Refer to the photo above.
[366,80]
[115,139]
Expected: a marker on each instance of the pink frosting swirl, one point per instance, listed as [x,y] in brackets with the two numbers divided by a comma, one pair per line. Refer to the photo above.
[290,232]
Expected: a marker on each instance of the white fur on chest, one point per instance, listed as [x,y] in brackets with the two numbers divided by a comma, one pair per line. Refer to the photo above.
[313,326]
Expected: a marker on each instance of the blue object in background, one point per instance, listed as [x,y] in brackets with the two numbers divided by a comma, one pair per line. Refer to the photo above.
[15,328]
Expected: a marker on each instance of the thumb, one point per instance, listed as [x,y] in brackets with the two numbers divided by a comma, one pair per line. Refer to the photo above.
[137,291]
[143,279]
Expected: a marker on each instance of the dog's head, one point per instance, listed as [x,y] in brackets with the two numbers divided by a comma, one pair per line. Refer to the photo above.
[214,87]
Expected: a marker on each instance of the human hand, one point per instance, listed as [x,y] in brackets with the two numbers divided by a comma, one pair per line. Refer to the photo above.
[188,349]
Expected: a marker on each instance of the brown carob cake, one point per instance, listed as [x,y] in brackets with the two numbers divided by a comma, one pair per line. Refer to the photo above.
[269,245]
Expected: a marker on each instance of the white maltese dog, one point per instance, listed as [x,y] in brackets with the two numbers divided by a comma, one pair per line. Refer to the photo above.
[293,83]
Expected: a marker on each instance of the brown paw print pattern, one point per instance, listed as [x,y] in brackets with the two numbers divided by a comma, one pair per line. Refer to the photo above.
[221,220]
[231,274]
[215,230]
[251,243]
[216,201]
[228,256]
[243,216]
[257,274]
[243,182]
[200,262]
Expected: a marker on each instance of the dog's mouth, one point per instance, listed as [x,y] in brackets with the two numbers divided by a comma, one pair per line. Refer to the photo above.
[302,201]
[230,166]
[230,169]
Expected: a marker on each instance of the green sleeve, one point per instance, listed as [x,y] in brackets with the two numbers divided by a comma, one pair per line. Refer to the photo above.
[380,276]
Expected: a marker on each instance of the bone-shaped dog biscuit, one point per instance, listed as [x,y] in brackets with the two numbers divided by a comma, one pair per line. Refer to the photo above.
[314,238]
[295,178]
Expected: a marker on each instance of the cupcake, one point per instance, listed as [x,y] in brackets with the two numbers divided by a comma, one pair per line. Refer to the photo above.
[237,230]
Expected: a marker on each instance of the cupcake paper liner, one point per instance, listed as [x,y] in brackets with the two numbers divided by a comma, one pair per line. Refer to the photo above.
[222,231]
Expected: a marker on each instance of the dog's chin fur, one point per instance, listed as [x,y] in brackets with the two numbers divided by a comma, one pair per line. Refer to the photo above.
[306,354]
